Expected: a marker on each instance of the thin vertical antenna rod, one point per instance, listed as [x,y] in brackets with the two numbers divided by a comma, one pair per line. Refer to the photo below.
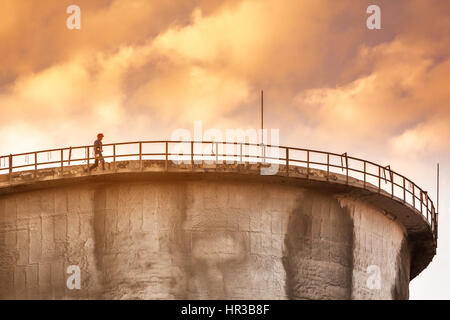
[437,200]
[262,117]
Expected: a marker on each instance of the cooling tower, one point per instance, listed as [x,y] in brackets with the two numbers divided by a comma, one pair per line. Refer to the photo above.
[156,229]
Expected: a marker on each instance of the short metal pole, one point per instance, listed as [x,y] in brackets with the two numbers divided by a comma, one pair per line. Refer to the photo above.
[307,164]
[167,156]
[35,165]
[392,183]
[217,153]
[88,155]
[404,190]
[421,202]
[114,157]
[264,153]
[328,166]
[10,167]
[70,154]
[140,156]
[287,161]
[379,179]
[436,223]
[436,212]
[62,162]
[432,218]
[346,166]
[192,154]
[437,187]
[241,153]
[365,169]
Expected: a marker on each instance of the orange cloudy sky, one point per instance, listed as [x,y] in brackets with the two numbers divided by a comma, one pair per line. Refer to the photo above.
[139,69]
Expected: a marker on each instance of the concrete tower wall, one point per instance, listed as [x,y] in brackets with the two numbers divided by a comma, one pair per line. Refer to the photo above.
[192,239]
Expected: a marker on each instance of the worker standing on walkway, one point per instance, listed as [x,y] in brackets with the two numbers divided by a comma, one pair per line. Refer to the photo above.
[98,149]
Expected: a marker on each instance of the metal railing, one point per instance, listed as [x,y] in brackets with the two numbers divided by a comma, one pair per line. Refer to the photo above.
[372,176]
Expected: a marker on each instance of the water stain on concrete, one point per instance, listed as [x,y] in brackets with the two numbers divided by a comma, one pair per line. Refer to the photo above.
[400,288]
[314,254]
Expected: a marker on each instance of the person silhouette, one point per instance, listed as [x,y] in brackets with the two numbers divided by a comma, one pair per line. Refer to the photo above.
[98,149]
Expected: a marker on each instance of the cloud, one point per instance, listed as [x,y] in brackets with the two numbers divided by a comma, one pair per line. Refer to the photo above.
[140,69]
[163,66]
[429,137]
[34,35]
[405,88]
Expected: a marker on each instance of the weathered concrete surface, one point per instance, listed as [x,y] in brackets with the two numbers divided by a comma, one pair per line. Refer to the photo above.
[161,238]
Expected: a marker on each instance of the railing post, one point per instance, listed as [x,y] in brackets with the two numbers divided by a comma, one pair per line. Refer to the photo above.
[35,165]
[217,153]
[307,164]
[328,166]
[140,156]
[414,196]
[192,154]
[365,169]
[436,223]
[240,152]
[264,153]
[392,183]
[10,167]
[346,167]
[70,154]
[432,217]
[421,202]
[166,165]
[287,161]
[114,157]
[62,162]
[404,190]
[88,156]
[379,179]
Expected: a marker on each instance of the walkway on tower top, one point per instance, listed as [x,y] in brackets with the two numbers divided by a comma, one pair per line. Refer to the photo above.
[396,194]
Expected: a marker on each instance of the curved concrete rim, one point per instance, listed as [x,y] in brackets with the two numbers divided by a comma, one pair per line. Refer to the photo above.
[419,232]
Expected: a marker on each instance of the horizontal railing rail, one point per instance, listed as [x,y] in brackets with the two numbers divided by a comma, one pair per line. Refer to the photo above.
[373,176]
